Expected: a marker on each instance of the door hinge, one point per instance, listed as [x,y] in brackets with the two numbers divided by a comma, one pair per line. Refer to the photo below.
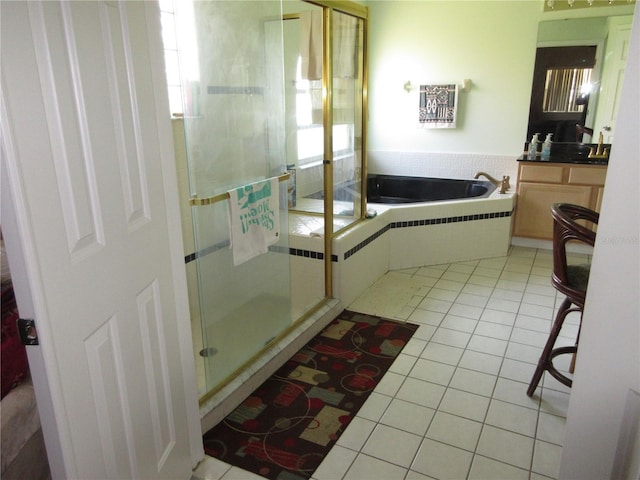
[28,332]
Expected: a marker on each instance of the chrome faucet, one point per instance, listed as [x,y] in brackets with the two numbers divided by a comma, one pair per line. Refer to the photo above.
[503,184]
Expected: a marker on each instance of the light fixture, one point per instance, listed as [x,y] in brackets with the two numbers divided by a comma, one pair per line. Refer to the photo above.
[569,4]
[587,88]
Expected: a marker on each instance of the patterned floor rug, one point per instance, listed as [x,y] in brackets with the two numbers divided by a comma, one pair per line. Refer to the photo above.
[287,426]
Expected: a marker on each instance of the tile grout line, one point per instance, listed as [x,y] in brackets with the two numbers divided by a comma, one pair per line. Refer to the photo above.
[418,356]
[491,398]
[457,366]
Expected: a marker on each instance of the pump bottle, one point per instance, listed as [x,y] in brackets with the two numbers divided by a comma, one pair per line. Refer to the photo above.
[533,147]
[546,148]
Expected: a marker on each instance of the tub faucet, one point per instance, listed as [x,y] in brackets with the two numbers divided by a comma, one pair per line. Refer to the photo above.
[503,184]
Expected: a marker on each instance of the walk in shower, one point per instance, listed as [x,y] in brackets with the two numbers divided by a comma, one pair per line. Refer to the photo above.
[250,113]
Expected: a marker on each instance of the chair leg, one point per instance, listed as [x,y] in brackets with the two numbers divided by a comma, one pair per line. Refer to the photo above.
[572,367]
[545,358]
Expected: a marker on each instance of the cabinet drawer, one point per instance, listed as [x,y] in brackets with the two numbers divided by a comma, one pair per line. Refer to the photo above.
[587,176]
[535,173]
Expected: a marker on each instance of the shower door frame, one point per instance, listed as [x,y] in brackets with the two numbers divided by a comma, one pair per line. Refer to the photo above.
[362,13]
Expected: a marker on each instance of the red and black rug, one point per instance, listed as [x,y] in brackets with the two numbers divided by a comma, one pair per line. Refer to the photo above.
[288,425]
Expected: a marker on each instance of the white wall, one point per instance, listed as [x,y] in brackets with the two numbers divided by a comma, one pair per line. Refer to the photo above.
[608,362]
[490,42]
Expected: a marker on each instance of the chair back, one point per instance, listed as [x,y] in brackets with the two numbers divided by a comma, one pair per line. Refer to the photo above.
[581,130]
[565,229]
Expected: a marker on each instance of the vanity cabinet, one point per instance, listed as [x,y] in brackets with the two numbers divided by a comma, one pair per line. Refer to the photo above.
[542,184]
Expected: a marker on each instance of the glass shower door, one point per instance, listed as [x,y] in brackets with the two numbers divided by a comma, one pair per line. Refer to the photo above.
[348,133]
[312,112]
[234,117]
[303,55]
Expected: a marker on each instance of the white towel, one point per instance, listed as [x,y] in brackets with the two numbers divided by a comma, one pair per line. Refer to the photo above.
[254,219]
[345,45]
[311,44]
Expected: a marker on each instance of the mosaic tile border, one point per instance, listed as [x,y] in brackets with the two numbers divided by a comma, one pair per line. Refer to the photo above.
[367,241]
[426,222]
[442,220]
[334,258]
[225,244]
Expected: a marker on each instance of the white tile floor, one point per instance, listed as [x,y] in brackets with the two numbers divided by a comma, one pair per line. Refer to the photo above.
[453,405]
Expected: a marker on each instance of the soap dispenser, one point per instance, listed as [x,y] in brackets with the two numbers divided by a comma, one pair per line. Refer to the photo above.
[533,147]
[546,148]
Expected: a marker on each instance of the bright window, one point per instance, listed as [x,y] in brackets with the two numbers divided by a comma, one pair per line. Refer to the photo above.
[310,127]
[179,24]
[564,88]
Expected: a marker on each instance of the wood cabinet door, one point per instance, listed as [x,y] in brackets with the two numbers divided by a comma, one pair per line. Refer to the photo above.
[533,212]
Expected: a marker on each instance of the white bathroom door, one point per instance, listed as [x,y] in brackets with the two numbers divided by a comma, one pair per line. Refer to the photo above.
[613,78]
[94,241]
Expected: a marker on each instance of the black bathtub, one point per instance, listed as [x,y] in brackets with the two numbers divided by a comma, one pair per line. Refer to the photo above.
[400,189]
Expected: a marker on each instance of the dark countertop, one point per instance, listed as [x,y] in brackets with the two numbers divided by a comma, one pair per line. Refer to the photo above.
[567,152]
[561,159]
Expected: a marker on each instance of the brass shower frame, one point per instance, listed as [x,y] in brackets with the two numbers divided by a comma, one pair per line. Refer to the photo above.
[361,12]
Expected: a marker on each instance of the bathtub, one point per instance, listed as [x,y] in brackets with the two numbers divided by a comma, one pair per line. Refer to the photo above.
[392,189]
[412,234]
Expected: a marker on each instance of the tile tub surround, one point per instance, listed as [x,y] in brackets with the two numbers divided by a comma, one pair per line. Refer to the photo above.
[442,165]
[414,235]
[451,231]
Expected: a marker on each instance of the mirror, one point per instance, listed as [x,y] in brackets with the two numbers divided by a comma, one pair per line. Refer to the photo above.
[596,108]
[561,91]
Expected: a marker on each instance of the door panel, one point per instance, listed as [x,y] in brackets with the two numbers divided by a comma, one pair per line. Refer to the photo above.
[88,171]
[613,77]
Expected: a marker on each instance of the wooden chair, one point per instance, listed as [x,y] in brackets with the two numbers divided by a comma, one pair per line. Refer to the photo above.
[570,280]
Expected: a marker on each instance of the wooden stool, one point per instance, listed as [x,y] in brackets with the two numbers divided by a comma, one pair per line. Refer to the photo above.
[570,280]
